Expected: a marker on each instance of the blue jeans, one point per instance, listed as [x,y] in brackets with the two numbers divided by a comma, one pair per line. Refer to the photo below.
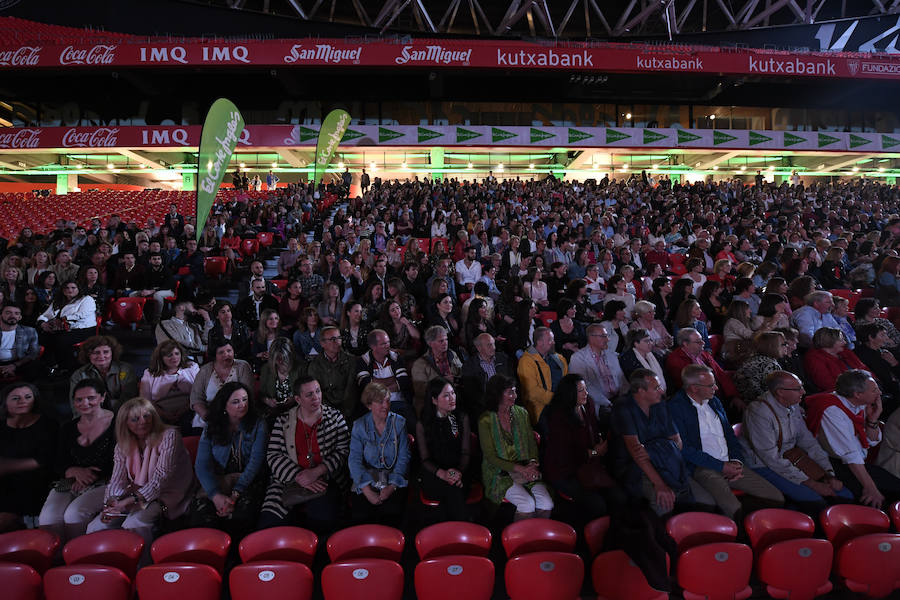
[800,493]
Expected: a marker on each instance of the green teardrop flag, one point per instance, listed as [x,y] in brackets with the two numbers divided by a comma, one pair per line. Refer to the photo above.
[221,131]
[330,134]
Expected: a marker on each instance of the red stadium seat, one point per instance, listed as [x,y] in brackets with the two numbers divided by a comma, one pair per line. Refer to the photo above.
[547,317]
[19,582]
[692,529]
[538,535]
[424,245]
[265,238]
[616,577]
[453,537]
[449,577]
[595,534]
[363,579]
[366,541]
[476,495]
[33,547]
[293,544]
[870,564]
[179,580]
[249,247]
[715,343]
[843,522]
[197,545]
[215,266]
[542,575]
[717,571]
[127,311]
[281,284]
[895,515]
[86,582]
[772,525]
[272,580]
[797,569]
[117,548]
[192,445]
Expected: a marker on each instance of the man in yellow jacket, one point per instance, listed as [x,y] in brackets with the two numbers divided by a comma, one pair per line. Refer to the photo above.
[540,370]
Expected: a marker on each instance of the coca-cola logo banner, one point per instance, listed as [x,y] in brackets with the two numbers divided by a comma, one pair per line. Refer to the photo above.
[462,54]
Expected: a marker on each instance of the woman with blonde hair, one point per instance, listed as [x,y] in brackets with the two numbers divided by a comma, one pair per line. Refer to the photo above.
[151,476]
[167,383]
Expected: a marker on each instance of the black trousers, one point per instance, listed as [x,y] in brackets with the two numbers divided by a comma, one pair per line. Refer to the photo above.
[887,484]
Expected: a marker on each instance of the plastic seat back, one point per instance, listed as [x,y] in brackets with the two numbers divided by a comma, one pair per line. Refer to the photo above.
[86,582]
[249,247]
[19,581]
[215,266]
[895,515]
[797,569]
[272,580]
[595,534]
[366,541]
[200,545]
[443,578]
[541,575]
[717,571]
[363,579]
[870,564]
[293,544]
[191,443]
[33,547]
[265,238]
[843,522]
[117,548]
[453,537]
[771,525]
[538,535]
[178,580]
[616,577]
[125,311]
[696,528]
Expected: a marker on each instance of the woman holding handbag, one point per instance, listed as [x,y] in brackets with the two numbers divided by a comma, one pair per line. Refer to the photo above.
[575,451]
[70,319]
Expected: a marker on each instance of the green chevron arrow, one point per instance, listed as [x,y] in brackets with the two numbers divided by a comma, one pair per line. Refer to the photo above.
[537,135]
[686,136]
[308,134]
[720,137]
[651,136]
[858,140]
[350,134]
[427,134]
[790,139]
[889,142]
[758,138]
[385,135]
[826,140]
[463,135]
[614,136]
[577,136]
[498,134]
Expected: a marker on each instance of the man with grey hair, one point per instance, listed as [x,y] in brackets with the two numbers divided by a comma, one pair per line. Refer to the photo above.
[711,450]
[690,351]
[774,425]
[599,366]
[815,315]
[847,424]
[438,361]
[540,369]
[481,365]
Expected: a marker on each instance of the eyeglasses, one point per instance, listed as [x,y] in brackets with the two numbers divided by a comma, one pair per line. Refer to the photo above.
[606,335]
[706,385]
[336,338]
[796,389]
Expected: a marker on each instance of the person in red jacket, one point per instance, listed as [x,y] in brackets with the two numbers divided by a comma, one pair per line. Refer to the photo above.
[690,351]
[828,358]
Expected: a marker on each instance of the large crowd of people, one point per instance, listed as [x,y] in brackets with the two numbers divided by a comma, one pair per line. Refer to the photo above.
[539,343]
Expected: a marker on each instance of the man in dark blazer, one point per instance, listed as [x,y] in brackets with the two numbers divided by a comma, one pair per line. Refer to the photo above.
[483,364]
[711,450]
[250,308]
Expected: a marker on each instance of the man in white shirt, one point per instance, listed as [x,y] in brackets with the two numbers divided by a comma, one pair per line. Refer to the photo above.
[711,450]
[846,424]
[468,270]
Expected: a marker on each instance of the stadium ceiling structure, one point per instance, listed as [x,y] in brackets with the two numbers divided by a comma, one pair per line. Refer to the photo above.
[566,19]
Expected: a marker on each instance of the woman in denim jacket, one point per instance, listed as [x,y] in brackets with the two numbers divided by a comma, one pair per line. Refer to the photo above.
[379,460]
[230,461]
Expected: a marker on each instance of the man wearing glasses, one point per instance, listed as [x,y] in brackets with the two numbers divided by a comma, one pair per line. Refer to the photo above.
[773,431]
[335,370]
[711,450]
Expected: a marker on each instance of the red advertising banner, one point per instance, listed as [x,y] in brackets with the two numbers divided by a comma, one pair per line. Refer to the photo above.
[464,54]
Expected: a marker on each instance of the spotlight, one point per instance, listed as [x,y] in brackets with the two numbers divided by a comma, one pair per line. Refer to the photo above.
[471,166]
[340,165]
[628,116]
